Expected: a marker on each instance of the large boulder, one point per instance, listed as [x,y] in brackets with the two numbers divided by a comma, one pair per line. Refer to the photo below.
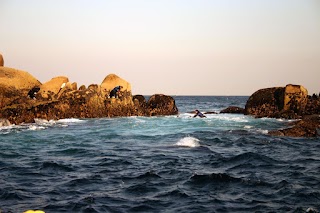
[112,80]
[14,86]
[286,102]
[51,88]
[17,79]
[1,61]
[161,105]
[265,102]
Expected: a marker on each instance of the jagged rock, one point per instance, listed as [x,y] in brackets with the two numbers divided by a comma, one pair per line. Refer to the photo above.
[94,87]
[50,89]
[233,109]
[54,103]
[265,102]
[307,127]
[295,98]
[313,105]
[4,122]
[161,105]
[82,87]
[1,61]
[286,102]
[140,104]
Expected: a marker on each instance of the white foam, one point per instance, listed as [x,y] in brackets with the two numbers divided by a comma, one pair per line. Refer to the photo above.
[248,127]
[34,128]
[70,120]
[44,122]
[188,142]
[263,131]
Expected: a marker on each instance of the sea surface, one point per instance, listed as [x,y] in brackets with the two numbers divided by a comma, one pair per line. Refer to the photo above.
[222,163]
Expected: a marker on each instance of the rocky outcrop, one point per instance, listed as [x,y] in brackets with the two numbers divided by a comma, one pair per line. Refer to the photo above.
[309,126]
[140,104]
[286,102]
[265,102]
[50,90]
[15,85]
[233,109]
[58,99]
[1,61]
[295,98]
[161,105]
[290,102]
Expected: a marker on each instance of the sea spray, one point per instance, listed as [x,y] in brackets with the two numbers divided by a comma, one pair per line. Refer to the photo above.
[188,142]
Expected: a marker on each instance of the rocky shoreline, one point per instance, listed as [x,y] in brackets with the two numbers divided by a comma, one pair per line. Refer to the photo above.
[23,99]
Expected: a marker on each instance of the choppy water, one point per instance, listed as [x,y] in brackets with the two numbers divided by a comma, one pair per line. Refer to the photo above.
[223,163]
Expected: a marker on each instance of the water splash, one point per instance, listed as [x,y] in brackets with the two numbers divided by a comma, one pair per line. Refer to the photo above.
[188,142]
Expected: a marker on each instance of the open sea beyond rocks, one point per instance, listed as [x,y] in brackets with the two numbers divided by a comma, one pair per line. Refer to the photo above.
[222,163]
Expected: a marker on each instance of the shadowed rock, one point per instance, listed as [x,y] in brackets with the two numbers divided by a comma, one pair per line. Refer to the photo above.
[161,105]
[1,61]
[233,109]
[307,127]
[286,102]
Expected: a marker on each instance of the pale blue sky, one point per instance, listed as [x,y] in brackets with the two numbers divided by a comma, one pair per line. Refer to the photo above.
[175,47]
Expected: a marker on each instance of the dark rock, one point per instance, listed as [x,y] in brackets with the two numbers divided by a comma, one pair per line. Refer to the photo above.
[307,127]
[208,113]
[161,105]
[1,61]
[285,102]
[233,109]
[140,104]
[265,102]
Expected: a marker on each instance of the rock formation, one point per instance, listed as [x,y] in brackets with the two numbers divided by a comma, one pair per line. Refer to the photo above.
[51,88]
[1,61]
[307,127]
[14,86]
[233,109]
[58,98]
[161,105]
[286,102]
[290,102]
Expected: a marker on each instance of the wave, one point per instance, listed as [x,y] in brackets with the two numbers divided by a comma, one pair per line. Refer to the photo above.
[188,142]
[70,120]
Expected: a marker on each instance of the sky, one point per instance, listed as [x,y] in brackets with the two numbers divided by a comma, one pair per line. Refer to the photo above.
[173,47]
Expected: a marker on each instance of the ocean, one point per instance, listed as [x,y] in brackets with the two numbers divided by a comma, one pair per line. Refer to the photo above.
[222,163]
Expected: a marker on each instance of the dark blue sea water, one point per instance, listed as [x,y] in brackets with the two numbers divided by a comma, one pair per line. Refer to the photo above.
[222,163]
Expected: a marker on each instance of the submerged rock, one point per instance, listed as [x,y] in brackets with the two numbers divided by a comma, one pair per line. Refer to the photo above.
[233,109]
